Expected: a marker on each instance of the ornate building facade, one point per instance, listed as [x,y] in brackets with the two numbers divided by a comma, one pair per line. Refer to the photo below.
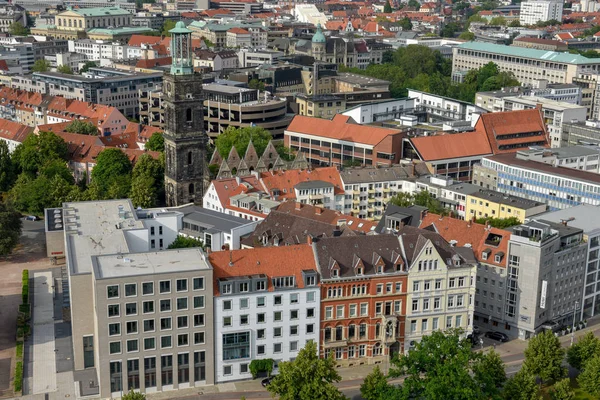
[186,176]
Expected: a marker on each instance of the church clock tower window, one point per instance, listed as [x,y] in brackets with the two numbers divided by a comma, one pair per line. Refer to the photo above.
[186,174]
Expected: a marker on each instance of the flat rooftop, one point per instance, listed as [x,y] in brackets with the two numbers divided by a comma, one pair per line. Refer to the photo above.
[225,88]
[210,219]
[360,79]
[546,103]
[506,199]
[585,217]
[151,263]
[95,228]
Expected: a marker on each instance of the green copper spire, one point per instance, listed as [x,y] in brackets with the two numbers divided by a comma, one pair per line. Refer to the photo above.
[181,50]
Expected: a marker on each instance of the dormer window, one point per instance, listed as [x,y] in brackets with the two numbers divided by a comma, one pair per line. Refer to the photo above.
[380,269]
[359,271]
[335,273]
[485,254]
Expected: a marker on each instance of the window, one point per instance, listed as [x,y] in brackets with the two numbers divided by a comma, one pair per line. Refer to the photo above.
[198,283]
[244,319]
[449,322]
[182,303]
[226,321]
[132,345]
[130,308]
[182,285]
[236,345]
[150,371]
[148,307]
[148,325]
[198,301]
[388,288]
[277,300]
[147,288]
[113,310]
[380,288]
[114,347]
[182,339]
[182,321]
[198,337]
[132,327]
[166,370]
[260,350]
[114,329]
[294,298]
[149,343]
[293,346]
[226,288]
[438,284]
[415,305]
[260,333]
[352,310]
[133,374]
[294,314]
[165,305]
[112,291]
[199,320]
[364,309]
[398,287]
[310,297]
[261,318]
[261,285]
[328,312]
[165,342]
[277,348]
[227,305]
[130,290]
[277,332]
[339,312]
[165,323]
[310,328]
[260,301]
[277,316]
[164,286]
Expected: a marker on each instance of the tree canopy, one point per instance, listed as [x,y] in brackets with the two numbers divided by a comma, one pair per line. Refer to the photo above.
[522,386]
[18,29]
[40,65]
[167,26]
[589,379]
[308,377]
[443,366]
[112,173]
[544,356]
[387,8]
[86,67]
[405,24]
[133,396]
[240,138]
[500,223]
[156,142]
[182,242]
[7,168]
[82,127]
[36,150]
[583,350]
[423,198]
[10,228]
[562,390]
[65,69]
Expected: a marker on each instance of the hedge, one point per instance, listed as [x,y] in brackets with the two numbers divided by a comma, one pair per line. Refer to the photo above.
[25,290]
[18,382]
[19,349]
[257,366]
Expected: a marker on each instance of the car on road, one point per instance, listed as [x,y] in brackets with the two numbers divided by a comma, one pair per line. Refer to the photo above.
[476,330]
[32,218]
[499,336]
[267,381]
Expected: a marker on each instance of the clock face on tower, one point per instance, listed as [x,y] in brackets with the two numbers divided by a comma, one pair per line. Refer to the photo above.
[169,88]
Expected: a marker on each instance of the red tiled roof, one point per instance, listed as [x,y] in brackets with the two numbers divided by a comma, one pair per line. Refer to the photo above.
[14,131]
[153,62]
[238,31]
[466,232]
[270,261]
[227,188]
[138,40]
[331,217]
[284,181]
[212,13]
[144,133]
[468,144]
[3,65]
[341,127]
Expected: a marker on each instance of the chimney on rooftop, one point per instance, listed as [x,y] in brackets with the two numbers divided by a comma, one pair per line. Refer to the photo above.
[318,210]
[298,205]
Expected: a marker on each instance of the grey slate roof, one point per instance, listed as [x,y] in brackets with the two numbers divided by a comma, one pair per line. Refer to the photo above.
[209,219]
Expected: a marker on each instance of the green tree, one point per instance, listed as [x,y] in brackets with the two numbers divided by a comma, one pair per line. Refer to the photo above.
[143,192]
[240,138]
[589,379]
[405,24]
[308,377]
[544,356]
[584,349]
[57,167]
[450,29]
[112,173]
[149,170]
[402,199]
[284,152]
[562,390]
[65,69]
[182,242]
[425,199]
[522,386]
[10,228]
[31,195]
[62,191]
[414,4]
[467,36]
[82,127]
[167,26]
[156,142]
[7,168]
[500,223]
[443,366]
[500,20]
[86,67]
[387,8]
[40,65]
[134,395]
[514,23]
[376,387]
[37,150]
[256,84]
[17,29]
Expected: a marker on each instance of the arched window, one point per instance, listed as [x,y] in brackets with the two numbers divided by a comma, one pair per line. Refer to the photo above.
[189,158]
[188,115]
[191,189]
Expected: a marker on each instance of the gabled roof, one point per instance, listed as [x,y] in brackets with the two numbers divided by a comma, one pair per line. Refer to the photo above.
[493,241]
[285,181]
[229,187]
[14,131]
[271,262]
[344,251]
[341,127]
[413,241]
[138,40]
[238,31]
[153,62]
[448,146]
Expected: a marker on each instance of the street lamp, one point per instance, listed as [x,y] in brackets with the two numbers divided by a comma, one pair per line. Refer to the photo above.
[573,330]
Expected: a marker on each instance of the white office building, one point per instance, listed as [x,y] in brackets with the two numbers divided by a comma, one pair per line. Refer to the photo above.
[536,11]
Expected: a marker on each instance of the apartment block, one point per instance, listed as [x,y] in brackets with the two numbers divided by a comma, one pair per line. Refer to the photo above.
[585,158]
[141,318]
[368,113]
[534,11]
[558,187]
[487,203]
[363,286]
[527,65]
[266,306]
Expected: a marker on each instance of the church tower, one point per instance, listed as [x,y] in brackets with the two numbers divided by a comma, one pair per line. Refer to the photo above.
[186,175]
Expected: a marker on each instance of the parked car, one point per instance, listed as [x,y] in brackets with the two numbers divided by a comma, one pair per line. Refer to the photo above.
[476,330]
[32,218]
[267,381]
[499,336]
